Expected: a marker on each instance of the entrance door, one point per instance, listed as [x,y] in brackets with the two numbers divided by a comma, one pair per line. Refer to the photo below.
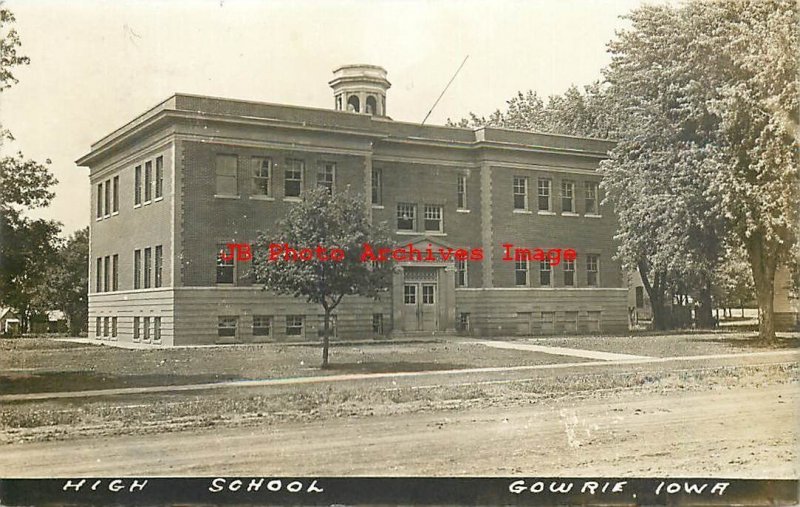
[419,306]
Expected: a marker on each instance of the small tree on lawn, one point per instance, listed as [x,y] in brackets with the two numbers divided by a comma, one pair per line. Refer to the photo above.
[338,220]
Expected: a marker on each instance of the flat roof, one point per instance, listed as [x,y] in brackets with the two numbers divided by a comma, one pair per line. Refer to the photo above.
[209,107]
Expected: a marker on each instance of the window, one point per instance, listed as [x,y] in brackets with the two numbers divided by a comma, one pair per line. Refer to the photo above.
[99,200]
[569,273]
[590,189]
[224,265]
[461,273]
[148,181]
[146,329]
[433,218]
[544,273]
[293,178]
[428,294]
[136,329]
[463,321]
[115,272]
[568,196]
[97,324]
[99,276]
[406,216]
[148,259]
[156,329]
[226,326]
[462,192]
[521,273]
[137,185]
[294,325]
[137,269]
[377,187]
[157,266]
[106,326]
[548,322]
[593,321]
[262,175]
[639,297]
[107,199]
[326,172]
[115,200]
[106,273]
[570,322]
[377,323]
[262,325]
[113,327]
[410,294]
[544,194]
[592,265]
[227,167]
[520,193]
[159,177]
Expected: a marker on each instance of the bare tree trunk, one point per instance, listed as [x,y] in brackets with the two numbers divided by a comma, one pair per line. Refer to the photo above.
[325,338]
[705,316]
[764,265]
[656,294]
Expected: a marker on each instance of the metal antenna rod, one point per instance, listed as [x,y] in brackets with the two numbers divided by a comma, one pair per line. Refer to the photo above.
[445,89]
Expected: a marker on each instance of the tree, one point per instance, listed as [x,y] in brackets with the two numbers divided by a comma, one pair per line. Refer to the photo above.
[70,281]
[708,98]
[27,247]
[326,220]
[574,113]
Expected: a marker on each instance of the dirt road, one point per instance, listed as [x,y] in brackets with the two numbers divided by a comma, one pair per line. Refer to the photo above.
[737,432]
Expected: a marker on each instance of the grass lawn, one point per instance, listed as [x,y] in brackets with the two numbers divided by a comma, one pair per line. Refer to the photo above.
[30,365]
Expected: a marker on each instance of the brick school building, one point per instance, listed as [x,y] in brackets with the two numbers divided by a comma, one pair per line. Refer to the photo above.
[174,185]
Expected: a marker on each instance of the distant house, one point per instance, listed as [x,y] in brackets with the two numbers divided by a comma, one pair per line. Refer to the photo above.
[786,302]
[9,322]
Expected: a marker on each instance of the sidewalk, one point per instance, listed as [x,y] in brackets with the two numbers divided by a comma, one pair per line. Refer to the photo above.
[771,356]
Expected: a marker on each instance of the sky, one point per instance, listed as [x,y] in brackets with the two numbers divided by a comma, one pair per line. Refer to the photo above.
[95,65]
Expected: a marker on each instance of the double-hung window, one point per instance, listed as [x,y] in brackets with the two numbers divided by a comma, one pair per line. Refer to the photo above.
[406,216]
[569,273]
[521,273]
[433,218]
[137,185]
[159,177]
[545,194]
[326,173]
[545,270]
[262,176]
[461,193]
[148,181]
[293,178]
[520,193]
[567,197]
[377,187]
[225,264]
[226,174]
[590,194]
[592,270]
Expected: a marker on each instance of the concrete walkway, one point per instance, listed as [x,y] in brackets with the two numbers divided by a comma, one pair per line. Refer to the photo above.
[783,355]
[559,351]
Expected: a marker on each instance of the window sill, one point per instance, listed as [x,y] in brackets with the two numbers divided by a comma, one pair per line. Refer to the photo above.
[408,233]
[292,199]
[106,216]
[98,219]
[546,213]
[462,211]
[115,213]
[148,202]
[435,233]
[259,197]
[158,199]
[377,206]
[592,215]
[137,205]
[569,214]
[223,196]
[523,211]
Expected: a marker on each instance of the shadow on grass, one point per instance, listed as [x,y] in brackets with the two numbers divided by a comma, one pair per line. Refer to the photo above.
[390,367]
[48,382]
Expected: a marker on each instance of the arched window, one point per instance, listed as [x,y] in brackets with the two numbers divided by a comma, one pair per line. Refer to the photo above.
[372,105]
[353,103]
